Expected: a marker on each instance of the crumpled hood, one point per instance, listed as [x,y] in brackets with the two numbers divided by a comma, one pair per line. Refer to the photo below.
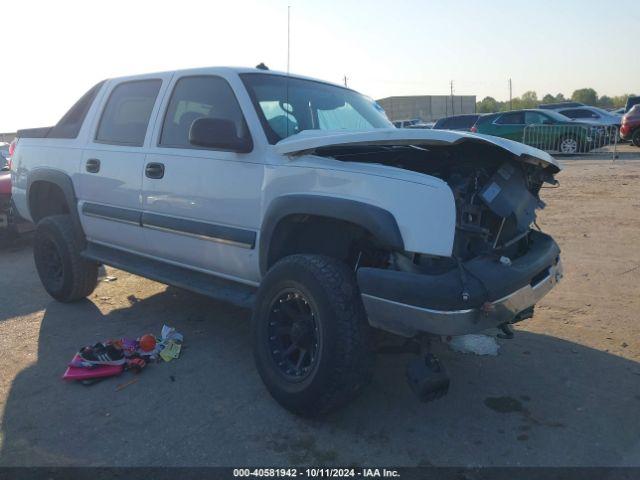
[308,140]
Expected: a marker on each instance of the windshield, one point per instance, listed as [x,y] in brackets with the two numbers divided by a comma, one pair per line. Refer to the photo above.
[288,105]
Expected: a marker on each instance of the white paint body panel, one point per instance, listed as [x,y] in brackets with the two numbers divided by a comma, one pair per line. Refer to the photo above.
[236,189]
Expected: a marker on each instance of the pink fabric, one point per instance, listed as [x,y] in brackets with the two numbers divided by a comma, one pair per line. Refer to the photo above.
[76,373]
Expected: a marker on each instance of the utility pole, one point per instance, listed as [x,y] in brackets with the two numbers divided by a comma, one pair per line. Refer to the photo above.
[288,35]
[451,89]
[510,96]
[345,80]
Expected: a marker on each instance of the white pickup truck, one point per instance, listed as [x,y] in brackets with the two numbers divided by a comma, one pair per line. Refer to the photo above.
[296,197]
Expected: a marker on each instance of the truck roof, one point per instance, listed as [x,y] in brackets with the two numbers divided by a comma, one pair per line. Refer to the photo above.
[226,69]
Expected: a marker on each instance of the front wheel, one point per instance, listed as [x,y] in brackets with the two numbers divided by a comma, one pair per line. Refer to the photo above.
[311,339]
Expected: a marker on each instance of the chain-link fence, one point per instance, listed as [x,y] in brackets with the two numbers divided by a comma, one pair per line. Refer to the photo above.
[573,139]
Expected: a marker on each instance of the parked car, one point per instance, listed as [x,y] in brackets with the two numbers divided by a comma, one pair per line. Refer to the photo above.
[631,101]
[594,115]
[5,195]
[406,123]
[569,137]
[457,122]
[618,111]
[556,106]
[630,128]
[10,224]
[300,199]
[4,150]
[421,125]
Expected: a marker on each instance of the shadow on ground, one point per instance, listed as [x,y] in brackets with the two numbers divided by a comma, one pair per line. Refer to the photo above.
[543,401]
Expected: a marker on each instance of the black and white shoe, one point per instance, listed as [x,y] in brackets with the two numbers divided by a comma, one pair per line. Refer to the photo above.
[101,354]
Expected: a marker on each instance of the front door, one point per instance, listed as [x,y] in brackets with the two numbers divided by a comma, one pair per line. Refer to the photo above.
[201,206]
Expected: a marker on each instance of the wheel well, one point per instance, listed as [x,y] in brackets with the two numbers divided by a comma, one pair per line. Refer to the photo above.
[46,199]
[312,234]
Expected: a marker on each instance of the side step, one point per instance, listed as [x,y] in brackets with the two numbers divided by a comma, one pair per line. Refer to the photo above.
[202,283]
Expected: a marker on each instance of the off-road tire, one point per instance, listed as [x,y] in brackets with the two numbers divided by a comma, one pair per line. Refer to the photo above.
[78,277]
[345,360]
[635,138]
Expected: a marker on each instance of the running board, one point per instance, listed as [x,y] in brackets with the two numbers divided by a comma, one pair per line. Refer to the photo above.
[198,282]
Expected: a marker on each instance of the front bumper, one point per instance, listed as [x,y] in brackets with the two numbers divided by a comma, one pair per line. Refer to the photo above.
[409,303]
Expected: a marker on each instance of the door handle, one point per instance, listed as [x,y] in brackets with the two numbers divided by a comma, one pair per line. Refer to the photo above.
[93,165]
[154,170]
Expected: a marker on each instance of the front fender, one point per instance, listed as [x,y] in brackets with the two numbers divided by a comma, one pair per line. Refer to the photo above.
[379,222]
[421,208]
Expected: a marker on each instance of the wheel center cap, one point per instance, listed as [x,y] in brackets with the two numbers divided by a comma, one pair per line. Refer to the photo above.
[301,333]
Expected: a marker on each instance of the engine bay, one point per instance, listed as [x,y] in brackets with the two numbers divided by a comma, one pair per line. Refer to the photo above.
[496,196]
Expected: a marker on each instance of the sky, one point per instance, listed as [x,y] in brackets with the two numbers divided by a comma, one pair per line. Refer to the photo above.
[54,51]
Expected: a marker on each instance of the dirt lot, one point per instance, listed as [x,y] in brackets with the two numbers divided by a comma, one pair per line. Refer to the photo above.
[564,391]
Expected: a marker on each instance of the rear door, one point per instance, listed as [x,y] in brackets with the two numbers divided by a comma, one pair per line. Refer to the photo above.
[202,205]
[113,160]
[509,125]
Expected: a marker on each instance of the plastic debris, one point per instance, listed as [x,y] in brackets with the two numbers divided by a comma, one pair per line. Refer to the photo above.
[170,351]
[474,343]
[110,358]
[110,278]
[122,386]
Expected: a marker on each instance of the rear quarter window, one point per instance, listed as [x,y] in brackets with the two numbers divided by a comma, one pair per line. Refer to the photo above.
[70,124]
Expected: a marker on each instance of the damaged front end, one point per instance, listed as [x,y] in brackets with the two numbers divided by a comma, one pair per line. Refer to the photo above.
[499,267]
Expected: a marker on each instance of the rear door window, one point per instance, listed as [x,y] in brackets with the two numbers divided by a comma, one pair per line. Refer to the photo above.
[535,118]
[511,118]
[578,113]
[125,117]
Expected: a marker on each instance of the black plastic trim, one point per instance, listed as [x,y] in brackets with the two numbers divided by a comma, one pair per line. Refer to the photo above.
[64,182]
[487,280]
[193,280]
[117,214]
[222,233]
[377,221]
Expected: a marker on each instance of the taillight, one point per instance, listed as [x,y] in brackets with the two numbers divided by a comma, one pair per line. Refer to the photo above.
[474,129]
[12,146]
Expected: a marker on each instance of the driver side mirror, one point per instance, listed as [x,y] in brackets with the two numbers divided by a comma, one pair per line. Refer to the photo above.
[218,133]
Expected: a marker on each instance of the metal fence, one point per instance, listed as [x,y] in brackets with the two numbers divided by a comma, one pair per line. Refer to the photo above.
[573,139]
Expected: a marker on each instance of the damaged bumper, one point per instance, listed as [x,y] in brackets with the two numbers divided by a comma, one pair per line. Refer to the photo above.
[409,303]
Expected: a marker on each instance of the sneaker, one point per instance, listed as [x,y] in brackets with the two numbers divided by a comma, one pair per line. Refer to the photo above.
[101,354]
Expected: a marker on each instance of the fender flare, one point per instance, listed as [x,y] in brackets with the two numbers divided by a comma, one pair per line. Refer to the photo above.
[64,182]
[378,221]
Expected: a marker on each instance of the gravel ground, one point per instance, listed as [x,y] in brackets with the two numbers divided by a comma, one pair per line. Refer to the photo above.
[564,391]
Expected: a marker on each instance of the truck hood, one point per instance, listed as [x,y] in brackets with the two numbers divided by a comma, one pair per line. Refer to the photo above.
[309,140]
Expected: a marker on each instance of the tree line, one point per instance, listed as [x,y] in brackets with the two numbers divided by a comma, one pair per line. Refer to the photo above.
[529,99]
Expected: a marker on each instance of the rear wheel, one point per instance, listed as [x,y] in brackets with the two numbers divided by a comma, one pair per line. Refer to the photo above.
[568,145]
[65,275]
[311,339]
[635,138]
